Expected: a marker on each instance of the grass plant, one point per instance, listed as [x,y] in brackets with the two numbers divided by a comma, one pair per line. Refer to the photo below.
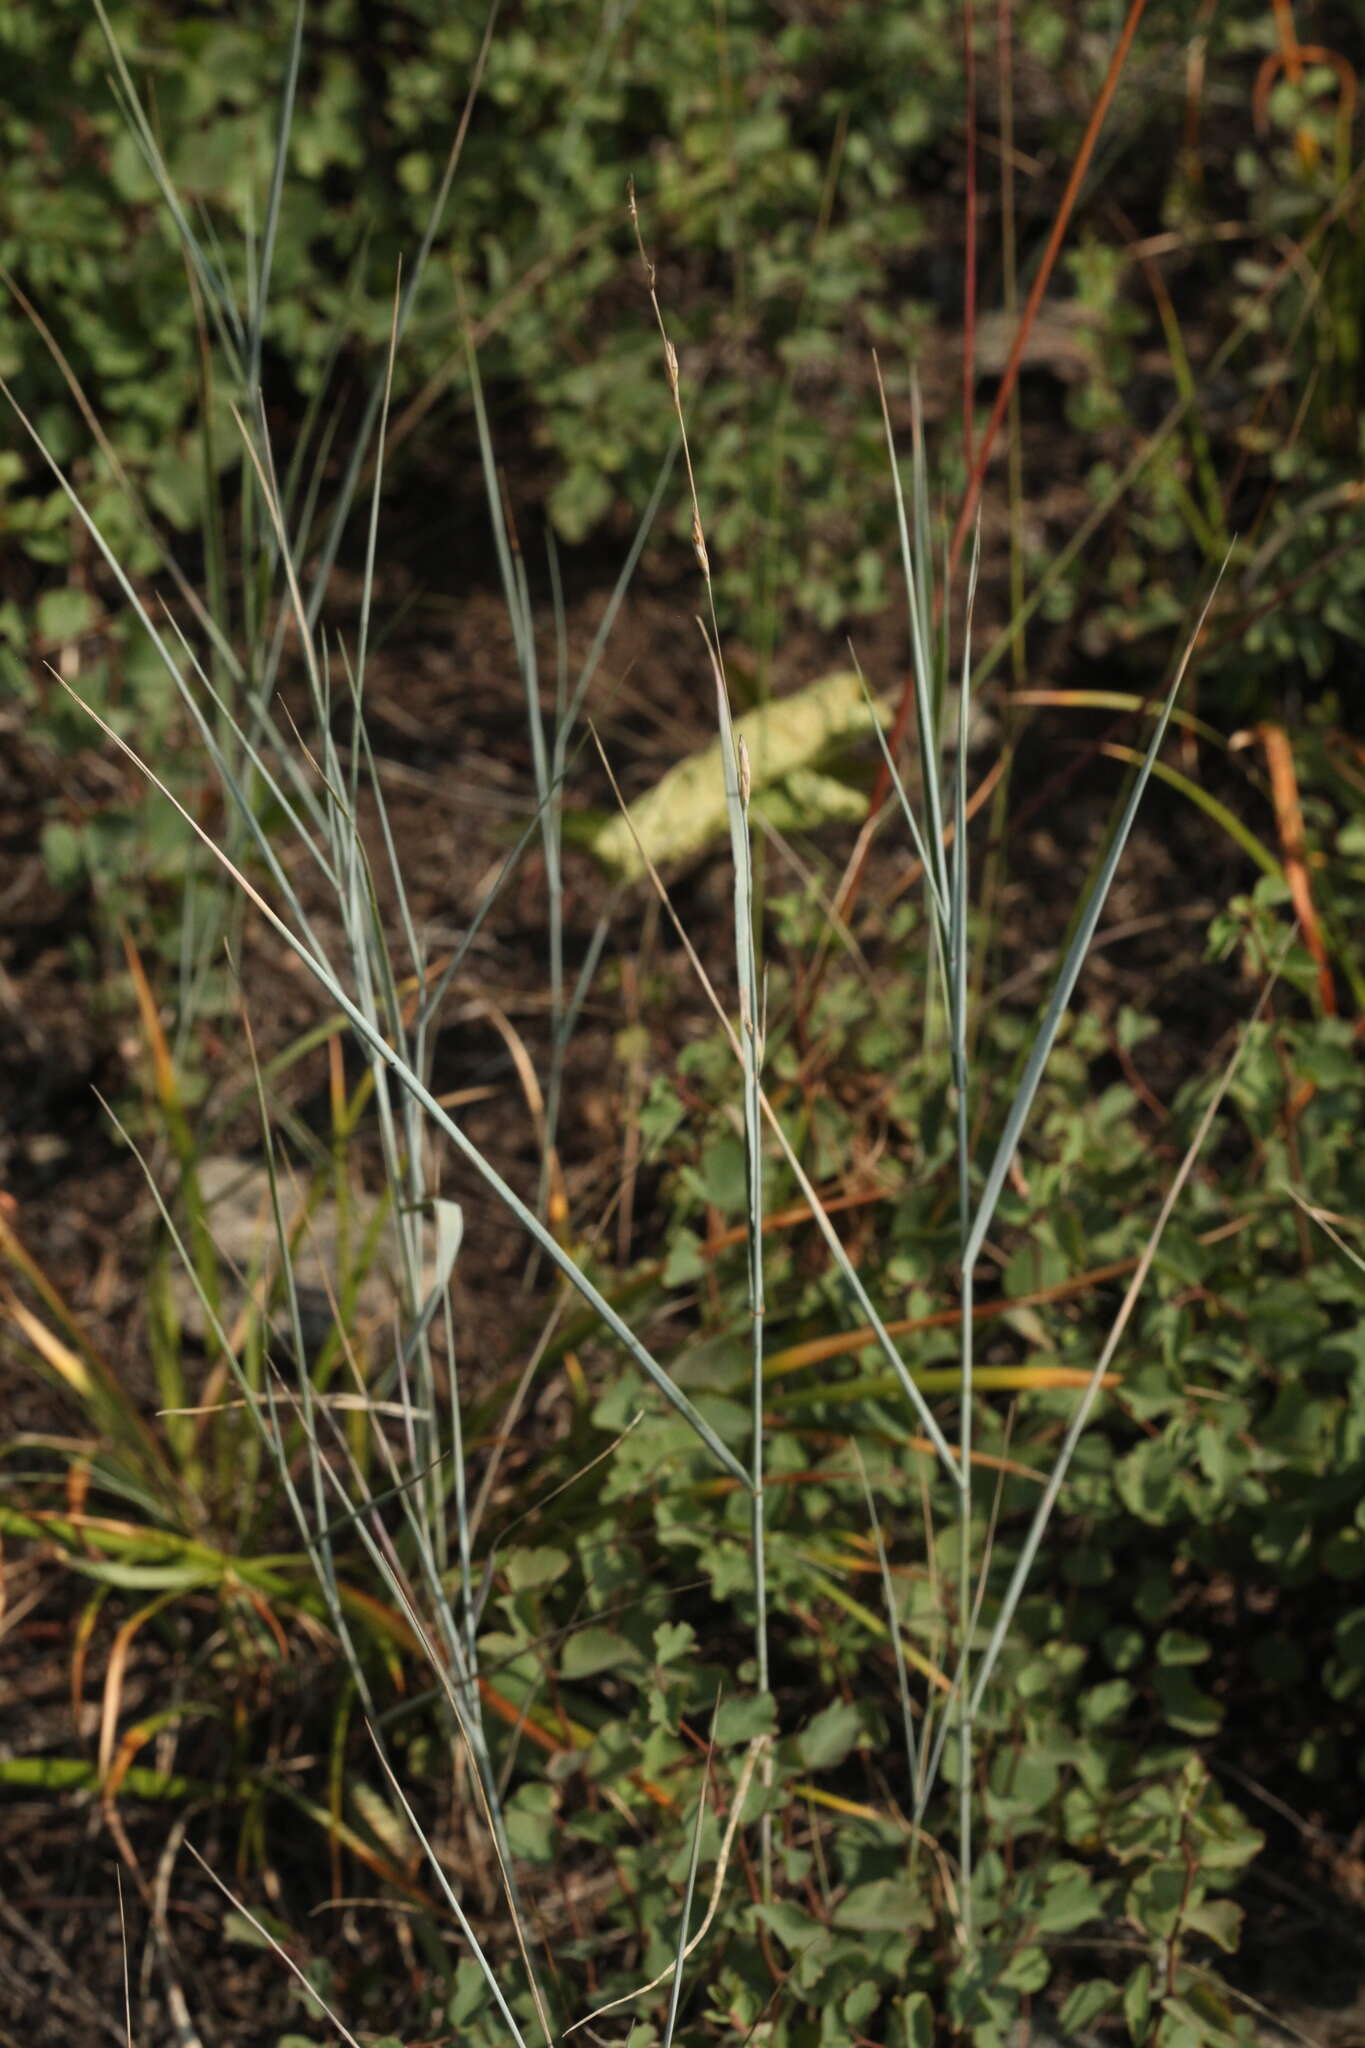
[431,1476]
[929,1910]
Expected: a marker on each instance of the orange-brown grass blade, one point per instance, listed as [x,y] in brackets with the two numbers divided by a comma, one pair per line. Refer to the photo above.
[163,1066]
[1284,790]
[1119,700]
[971,496]
[1056,237]
[137,1737]
[989,1461]
[987,1379]
[817,1349]
[791,1219]
[114,1675]
[80,1649]
[823,1565]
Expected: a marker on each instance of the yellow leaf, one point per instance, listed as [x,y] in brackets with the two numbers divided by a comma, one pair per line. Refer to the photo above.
[684,812]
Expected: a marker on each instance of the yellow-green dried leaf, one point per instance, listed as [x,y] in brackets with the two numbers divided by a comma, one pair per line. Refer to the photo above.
[682,814]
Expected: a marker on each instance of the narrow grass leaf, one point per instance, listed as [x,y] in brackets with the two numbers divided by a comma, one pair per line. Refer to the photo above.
[1070,970]
[685,1918]
[272,209]
[1043,1512]
[486,1969]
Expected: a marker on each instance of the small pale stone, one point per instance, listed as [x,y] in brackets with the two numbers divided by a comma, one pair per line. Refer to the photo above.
[241,1222]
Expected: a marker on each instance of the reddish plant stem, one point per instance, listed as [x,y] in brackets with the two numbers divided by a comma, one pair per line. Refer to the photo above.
[969,272]
[972,495]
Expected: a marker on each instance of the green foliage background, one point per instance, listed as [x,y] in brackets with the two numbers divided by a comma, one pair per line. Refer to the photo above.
[801,173]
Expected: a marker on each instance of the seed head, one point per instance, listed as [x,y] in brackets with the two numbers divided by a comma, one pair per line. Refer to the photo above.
[699,548]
